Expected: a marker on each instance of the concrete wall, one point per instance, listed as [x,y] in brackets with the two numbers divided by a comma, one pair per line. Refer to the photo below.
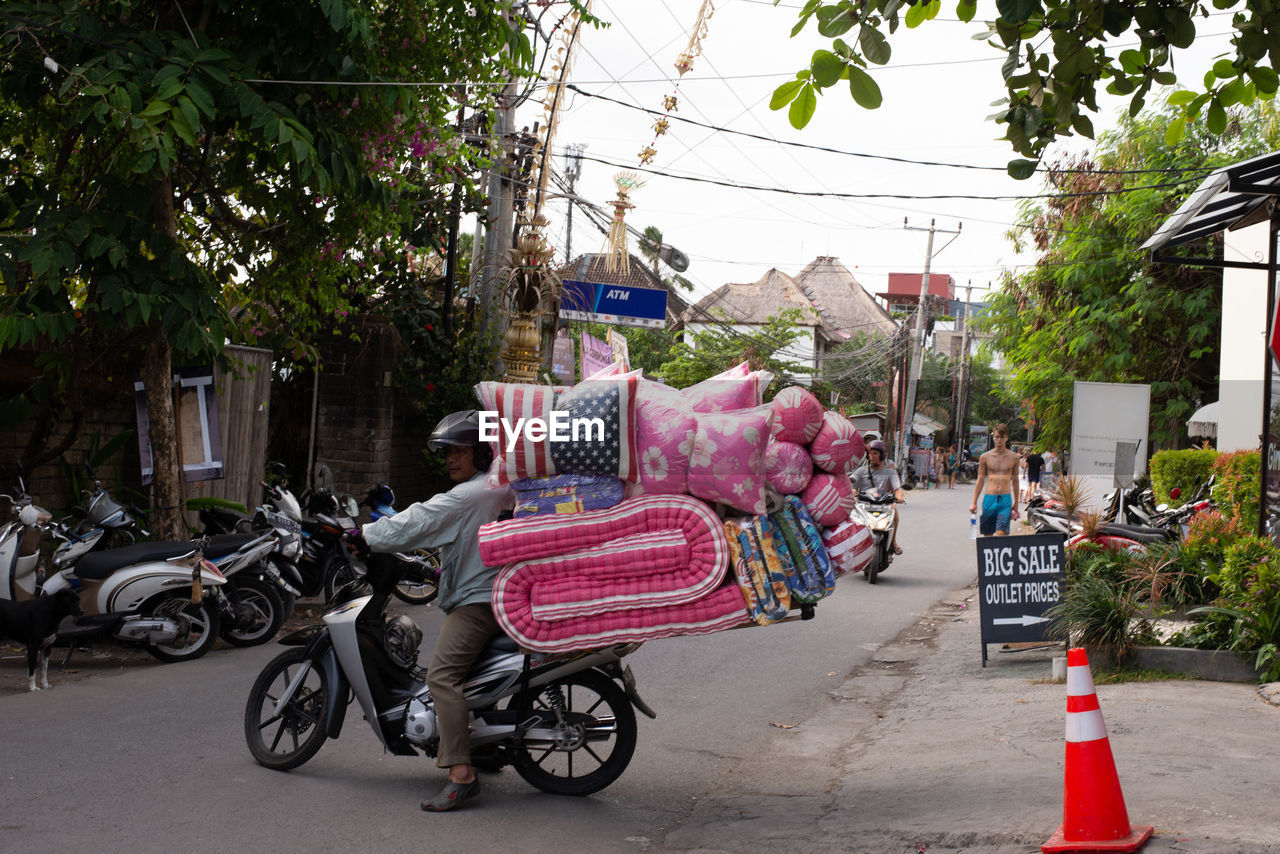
[1244,330]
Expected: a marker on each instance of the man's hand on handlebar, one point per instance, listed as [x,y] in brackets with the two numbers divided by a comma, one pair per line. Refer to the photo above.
[354,540]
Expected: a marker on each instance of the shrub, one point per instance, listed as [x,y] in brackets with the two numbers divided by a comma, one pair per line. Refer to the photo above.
[1250,599]
[1185,470]
[1205,545]
[1239,482]
[1097,612]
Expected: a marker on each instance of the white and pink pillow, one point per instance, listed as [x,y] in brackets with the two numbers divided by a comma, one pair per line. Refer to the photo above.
[665,436]
[727,462]
[787,467]
[797,415]
[829,498]
[837,444]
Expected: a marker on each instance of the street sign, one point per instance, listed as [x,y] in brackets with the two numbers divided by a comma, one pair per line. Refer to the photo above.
[1019,578]
[620,305]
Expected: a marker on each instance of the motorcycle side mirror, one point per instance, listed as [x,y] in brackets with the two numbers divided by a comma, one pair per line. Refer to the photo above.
[350,506]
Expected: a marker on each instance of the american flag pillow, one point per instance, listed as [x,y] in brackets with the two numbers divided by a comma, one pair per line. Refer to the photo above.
[609,402]
[513,401]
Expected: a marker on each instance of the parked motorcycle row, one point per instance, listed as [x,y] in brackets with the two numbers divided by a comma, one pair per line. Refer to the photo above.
[1131,518]
[239,581]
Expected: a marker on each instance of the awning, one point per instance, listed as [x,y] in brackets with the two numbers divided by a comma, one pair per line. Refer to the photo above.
[1204,422]
[923,425]
[1231,197]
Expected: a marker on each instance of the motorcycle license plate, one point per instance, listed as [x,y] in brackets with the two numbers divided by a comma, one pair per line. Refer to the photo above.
[277,520]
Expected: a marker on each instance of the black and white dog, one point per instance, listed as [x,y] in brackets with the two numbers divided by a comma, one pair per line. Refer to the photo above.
[34,622]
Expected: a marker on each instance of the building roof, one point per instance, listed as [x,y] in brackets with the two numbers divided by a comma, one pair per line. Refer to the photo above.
[843,301]
[755,302]
[1230,197]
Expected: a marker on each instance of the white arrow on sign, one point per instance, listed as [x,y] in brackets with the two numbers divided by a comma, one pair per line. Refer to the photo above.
[1024,620]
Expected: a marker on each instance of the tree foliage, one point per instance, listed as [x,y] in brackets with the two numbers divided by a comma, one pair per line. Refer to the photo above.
[706,352]
[178,174]
[1058,53]
[1094,308]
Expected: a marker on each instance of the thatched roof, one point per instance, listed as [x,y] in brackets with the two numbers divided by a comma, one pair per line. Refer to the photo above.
[844,303]
[756,302]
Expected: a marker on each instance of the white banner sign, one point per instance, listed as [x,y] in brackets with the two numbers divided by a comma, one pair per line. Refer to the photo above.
[1109,436]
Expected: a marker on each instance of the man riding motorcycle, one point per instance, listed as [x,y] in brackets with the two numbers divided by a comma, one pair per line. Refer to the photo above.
[450,522]
[877,478]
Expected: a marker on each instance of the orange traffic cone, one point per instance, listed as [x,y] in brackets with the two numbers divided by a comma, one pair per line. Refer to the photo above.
[1093,813]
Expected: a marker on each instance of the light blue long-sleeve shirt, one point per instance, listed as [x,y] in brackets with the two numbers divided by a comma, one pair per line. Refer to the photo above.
[450,522]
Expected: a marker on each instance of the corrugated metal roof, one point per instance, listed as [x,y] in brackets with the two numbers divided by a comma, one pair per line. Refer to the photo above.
[1232,196]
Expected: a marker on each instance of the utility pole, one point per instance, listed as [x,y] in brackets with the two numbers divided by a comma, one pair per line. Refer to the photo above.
[962,400]
[572,170]
[917,344]
[501,212]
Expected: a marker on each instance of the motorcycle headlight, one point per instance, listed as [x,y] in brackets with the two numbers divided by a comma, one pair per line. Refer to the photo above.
[290,546]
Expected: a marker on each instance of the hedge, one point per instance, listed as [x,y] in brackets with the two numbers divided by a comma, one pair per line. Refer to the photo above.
[1186,470]
[1238,484]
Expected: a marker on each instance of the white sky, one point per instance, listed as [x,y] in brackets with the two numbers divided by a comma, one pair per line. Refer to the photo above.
[938,89]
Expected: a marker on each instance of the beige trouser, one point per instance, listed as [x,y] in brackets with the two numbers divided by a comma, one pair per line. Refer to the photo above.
[462,637]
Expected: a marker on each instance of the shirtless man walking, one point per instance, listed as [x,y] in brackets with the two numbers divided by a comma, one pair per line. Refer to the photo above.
[998,472]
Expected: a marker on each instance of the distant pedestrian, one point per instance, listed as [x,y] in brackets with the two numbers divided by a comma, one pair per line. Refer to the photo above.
[953,466]
[1035,465]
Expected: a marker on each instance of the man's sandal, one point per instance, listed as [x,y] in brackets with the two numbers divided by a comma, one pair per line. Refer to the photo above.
[452,796]
[897,550]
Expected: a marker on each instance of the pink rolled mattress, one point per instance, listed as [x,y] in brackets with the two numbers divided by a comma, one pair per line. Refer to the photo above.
[650,567]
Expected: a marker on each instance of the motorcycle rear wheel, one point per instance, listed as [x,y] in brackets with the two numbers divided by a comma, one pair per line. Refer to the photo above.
[876,565]
[285,741]
[599,732]
[259,606]
[199,624]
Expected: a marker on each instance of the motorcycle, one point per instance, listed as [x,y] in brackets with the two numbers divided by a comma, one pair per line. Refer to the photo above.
[882,521]
[565,722]
[422,567]
[256,609]
[102,513]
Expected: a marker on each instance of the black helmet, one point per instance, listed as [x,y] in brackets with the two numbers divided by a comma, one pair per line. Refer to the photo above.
[460,429]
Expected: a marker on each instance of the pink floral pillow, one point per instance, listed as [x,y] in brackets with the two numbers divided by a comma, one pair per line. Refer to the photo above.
[737,388]
[727,463]
[797,415]
[837,444]
[511,402]
[666,430]
[829,498]
[787,467]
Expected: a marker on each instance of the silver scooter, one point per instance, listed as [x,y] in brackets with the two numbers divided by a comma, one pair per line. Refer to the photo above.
[565,722]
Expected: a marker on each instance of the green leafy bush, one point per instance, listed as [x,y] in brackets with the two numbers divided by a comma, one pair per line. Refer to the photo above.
[1239,482]
[1097,612]
[1250,600]
[1185,470]
[1205,544]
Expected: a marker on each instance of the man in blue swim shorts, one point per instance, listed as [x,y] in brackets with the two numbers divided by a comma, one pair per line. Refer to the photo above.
[998,476]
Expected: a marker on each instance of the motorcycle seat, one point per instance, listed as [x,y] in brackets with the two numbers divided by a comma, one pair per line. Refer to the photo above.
[97,565]
[1138,533]
[224,544]
[499,643]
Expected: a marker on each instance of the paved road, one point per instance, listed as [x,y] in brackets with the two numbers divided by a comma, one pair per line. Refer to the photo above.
[153,758]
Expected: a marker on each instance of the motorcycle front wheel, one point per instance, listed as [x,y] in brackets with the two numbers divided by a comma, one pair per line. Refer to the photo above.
[418,587]
[259,613]
[876,566]
[598,735]
[197,626]
[284,741]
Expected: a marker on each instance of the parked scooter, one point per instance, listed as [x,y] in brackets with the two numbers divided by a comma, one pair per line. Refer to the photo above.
[101,512]
[162,595]
[256,609]
[565,722]
[422,570]
[882,521]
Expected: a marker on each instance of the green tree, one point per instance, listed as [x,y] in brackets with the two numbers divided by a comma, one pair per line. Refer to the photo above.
[1094,308]
[1057,55]
[169,183]
[720,347]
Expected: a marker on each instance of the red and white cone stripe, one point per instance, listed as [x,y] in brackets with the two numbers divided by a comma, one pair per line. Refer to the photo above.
[1084,715]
